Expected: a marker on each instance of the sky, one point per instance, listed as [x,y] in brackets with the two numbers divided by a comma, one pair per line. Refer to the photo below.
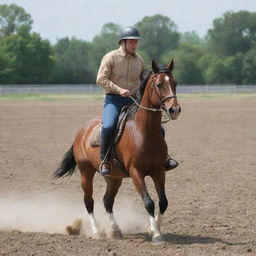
[83,19]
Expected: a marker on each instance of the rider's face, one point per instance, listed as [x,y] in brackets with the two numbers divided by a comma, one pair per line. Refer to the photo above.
[131,45]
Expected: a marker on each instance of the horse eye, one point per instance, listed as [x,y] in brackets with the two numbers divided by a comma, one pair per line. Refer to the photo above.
[159,85]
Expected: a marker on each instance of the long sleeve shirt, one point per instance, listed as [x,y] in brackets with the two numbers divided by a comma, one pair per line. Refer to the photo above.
[120,70]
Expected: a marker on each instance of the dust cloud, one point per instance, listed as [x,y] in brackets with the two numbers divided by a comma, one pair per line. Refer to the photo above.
[51,213]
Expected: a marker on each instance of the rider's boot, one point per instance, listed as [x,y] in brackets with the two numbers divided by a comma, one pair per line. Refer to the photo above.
[105,166]
[170,164]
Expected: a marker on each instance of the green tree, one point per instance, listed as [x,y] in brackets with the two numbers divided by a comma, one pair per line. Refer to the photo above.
[159,36]
[233,67]
[192,38]
[30,57]
[106,41]
[216,72]
[233,33]
[6,67]
[248,67]
[72,62]
[13,17]
[187,70]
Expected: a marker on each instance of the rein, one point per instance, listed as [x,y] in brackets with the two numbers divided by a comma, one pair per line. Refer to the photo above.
[166,116]
[146,108]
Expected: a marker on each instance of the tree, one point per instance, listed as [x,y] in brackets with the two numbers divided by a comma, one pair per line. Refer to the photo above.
[248,67]
[6,69]
[191,38]
[29,58]
[216,71]
[233,33]
[187,70]
[233,67]
[159,36]
[12,18]
[106,41]
[72,62]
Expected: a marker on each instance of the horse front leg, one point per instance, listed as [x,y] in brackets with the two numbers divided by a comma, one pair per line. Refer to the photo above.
[159,181]
[140,185]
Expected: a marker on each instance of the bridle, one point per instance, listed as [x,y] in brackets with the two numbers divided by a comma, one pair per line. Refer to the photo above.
[161,101]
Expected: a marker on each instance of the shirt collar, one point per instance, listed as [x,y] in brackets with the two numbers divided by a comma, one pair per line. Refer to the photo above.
[124,53]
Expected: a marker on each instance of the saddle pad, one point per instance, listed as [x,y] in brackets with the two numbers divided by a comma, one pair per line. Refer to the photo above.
[95,136]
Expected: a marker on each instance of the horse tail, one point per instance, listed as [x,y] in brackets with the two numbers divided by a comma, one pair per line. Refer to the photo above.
[67,166]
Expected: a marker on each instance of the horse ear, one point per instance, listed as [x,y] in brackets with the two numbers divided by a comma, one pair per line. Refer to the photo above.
[155,68]
[170,66]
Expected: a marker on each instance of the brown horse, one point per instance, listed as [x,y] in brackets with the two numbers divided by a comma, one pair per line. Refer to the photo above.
[142,151]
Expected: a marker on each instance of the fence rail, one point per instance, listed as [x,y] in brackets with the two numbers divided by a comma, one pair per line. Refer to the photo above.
[92,88]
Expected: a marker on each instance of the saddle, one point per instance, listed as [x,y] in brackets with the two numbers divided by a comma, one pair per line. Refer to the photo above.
[95,138]
[95,135]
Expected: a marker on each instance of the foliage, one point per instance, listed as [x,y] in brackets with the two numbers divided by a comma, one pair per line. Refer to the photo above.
[227,55]
[187,70]
[248,67]
[233,33]
[192,38]
[72,64]
[159,36]
[12,18]
[26,58]
[106,41]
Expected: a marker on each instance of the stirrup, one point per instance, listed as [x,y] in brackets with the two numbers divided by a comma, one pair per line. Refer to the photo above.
[170,164]
[105,168]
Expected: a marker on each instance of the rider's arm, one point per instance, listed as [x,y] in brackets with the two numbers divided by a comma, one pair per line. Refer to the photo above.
[104,73]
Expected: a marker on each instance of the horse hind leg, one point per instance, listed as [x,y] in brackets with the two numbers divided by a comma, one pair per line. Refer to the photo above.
[87,175]
[113,186]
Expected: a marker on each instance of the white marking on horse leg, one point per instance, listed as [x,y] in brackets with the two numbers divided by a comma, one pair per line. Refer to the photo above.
[113,223]
[154,227]
[93,222]
[159,220]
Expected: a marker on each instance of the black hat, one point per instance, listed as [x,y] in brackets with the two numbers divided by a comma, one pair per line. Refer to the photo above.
[130,33]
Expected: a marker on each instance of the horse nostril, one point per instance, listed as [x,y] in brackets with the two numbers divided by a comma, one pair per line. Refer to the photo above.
[172,111]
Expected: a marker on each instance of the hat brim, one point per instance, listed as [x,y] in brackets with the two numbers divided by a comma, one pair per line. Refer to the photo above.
[130,37]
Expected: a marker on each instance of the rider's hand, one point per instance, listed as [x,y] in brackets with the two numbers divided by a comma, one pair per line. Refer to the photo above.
[124,92]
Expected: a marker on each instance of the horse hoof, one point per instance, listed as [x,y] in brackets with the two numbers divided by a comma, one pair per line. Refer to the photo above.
[117,234]
[98,235]
[158,240]
[150,232]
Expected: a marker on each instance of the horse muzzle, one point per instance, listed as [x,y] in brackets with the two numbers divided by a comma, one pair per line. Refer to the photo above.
[174,112]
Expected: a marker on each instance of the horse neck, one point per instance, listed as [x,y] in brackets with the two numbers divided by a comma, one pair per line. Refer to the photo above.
[148,122]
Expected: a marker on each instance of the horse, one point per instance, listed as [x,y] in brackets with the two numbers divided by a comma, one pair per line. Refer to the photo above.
[141,149]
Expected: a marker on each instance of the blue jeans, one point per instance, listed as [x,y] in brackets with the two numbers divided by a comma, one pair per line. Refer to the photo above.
[113,104]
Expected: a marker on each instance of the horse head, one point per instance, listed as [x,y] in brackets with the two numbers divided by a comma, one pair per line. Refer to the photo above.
[164,89]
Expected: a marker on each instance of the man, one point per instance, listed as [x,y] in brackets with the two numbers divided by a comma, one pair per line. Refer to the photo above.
[119,74]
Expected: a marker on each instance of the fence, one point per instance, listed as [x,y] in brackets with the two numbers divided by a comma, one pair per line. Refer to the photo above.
[92,88]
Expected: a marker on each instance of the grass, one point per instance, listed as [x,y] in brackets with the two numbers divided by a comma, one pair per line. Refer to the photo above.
[99,96]
[217,95]
[50,97]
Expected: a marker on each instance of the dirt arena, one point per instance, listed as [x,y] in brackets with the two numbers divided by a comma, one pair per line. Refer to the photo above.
[212,194]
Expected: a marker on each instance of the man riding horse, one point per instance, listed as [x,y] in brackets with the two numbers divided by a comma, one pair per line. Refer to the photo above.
[119,74]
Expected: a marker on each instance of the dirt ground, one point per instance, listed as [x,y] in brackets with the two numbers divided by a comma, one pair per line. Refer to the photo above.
[212,209]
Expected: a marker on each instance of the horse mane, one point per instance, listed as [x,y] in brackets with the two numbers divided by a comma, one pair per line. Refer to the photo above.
[143,82]
[138,97]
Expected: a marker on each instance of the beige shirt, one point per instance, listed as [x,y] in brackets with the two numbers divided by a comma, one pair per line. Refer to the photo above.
[120,70]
